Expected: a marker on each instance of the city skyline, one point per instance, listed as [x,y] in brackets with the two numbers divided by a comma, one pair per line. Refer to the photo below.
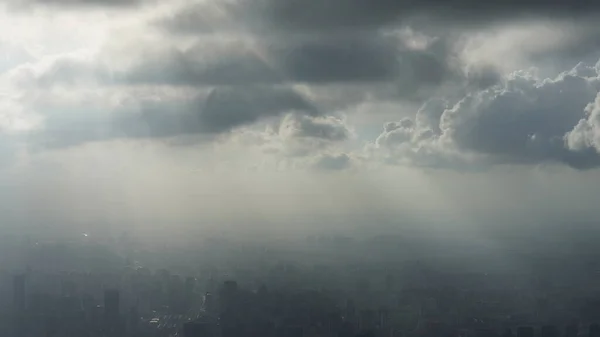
[299,168]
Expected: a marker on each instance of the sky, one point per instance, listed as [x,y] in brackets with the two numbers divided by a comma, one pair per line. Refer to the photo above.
[171,116]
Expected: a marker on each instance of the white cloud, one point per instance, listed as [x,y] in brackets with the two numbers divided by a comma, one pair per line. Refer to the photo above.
[118,114]
[586,134]
[130,73]
[333,162]
[522,121]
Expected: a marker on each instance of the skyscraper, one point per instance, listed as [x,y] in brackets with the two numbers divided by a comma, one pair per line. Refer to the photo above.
[111,303]
[198,329]
[549,331]
[571,330]
[525,331]
[113,324]
[19,305]
[594,330]
[227,295]
[19,293]
[209,303]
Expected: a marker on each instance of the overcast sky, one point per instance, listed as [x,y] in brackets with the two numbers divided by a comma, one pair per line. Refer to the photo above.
[171,115]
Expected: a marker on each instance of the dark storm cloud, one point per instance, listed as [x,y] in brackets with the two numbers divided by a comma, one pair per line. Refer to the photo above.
[525,120]
[28,4]
[333,162]
[329,128]
[204,65]
[302,135]
[360,59]
[345,14]
[347,59]
[583,46]
[231,107]
[339,59]
[221,111]
[321,16]
[321,55]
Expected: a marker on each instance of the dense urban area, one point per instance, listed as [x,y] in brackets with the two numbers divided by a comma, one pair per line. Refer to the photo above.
[322,286]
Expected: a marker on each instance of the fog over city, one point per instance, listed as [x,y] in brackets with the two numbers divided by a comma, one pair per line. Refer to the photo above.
[358,149]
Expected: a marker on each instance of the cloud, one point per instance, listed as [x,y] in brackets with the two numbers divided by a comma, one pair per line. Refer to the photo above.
[302,135]
[367,60]
[586,134]
[295,141]
[348,14]
[429,50]
[13,55]
[348,59]
[27,4]
[322,60]
[332,162]
[9,151]
[330,16]
[361,60]
[204,64]
[417,62]
[163,115]
[237,64]
[327,128]
[63,70]
[209,17]
[524,120]
[226,108]
[339,59]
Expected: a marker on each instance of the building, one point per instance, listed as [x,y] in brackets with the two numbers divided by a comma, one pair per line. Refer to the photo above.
[19,293]
[525,331]
[199,329]
[228,295]
[550,331]
[209,304]
[19,305]
[111,303]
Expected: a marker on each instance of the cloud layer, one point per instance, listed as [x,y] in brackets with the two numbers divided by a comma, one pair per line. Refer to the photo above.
[524,120]
[347,15]
[293,74]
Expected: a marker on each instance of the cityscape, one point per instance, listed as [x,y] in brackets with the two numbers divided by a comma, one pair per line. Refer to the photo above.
[289,293]
[299,168]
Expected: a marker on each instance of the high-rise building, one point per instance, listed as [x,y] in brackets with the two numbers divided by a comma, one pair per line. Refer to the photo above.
[228,295]
[210,285]
[19,305]
[525,331]
[350,311]
[594,330]
[133,320]
[384,316]
[209,303]
[111,303]
[571,330]
[549,331]
[389,282]
[507,333]
[114,324]
[368,319]
[19,293]
[230,286]
[190,285]
[293,331]
[198,329]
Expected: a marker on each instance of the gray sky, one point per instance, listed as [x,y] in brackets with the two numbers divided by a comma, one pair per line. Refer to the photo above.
[211,114]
